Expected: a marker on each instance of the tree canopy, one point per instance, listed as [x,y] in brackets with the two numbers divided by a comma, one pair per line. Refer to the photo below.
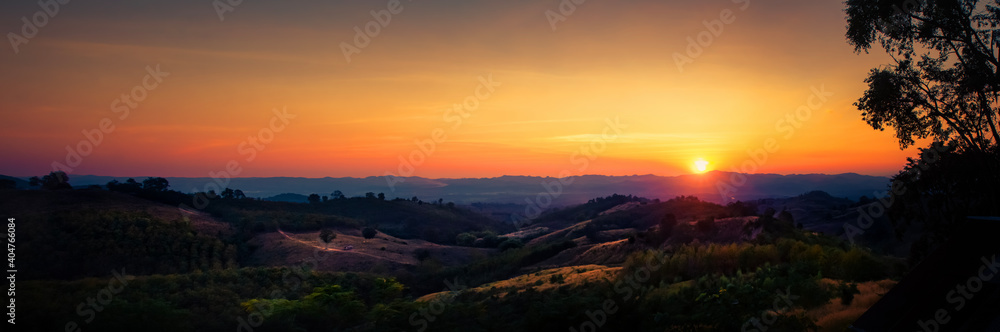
[943,83]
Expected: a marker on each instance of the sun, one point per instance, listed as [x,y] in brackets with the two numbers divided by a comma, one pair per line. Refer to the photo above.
[701,165]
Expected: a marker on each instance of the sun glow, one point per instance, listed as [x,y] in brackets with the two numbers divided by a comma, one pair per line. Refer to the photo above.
[700,165]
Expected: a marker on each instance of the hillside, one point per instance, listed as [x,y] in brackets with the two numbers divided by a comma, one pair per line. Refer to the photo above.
[439,223]
[231,257]
[383,254]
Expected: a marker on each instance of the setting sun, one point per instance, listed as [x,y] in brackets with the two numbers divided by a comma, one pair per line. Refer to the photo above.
[701,165]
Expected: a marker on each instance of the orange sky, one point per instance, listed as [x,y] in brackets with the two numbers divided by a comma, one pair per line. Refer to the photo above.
[557,89]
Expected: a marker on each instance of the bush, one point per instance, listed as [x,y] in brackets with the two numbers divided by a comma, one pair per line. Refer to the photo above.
[510,244]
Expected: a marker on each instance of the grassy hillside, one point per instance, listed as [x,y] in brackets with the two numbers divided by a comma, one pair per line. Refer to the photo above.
[439,223]
[681,264]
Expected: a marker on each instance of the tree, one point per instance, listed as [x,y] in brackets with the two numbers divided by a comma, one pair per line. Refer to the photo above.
[706,226]
[511,243]
[381,196]
[314,198]
[465,239]
[786,218]
[369,233]
[327,236]
[131,186]
[943,84]
[337,194]
[156,184]
[370,195]
[944,81]
[238,194]
[228,193]
[667,225]
[52,181]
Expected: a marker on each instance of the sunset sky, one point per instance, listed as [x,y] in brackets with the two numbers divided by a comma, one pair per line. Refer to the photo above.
[609,60]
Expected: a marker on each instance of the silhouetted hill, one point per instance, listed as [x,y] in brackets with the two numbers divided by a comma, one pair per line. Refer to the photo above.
[19,183]
[715,186]
[288,197]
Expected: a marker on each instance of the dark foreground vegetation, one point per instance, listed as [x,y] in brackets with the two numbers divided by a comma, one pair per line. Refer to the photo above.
[125,260]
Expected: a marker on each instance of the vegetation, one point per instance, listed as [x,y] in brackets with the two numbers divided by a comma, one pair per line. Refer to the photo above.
[327,236]
[681,270]
[369,232]
[942,85]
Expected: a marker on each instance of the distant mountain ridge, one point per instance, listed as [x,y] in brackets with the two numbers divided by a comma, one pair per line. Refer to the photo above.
[715,186]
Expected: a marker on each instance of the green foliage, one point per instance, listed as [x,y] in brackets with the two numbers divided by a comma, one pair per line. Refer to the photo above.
[501,266]
[91,243]
[691,261]
[510,244]
[465,239]
[214,300]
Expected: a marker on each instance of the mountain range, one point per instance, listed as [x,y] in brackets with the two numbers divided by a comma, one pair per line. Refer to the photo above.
[714,186]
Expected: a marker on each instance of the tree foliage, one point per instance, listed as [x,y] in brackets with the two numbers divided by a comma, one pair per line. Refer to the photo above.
[327,236]
[53,181]
[369,232]
[943,82]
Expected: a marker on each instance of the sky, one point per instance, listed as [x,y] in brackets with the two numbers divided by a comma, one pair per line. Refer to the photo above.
[433,88]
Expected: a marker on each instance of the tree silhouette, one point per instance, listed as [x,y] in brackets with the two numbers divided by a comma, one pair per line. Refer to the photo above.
[327,236]
[52,181]
[130,186]
[369,233]
[944,81]
[155,184]
[314,198]
[381,196]
[228,193]
[238,194]
[667,225]
[337,194]
[944,85]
